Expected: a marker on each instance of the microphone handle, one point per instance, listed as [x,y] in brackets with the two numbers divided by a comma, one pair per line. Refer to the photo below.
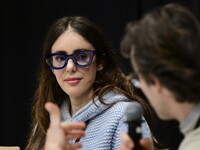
[135,132]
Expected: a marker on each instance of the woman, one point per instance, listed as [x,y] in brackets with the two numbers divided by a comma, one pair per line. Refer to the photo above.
[81,75]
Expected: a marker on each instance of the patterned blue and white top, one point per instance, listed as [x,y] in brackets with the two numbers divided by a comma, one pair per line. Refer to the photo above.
[104,122]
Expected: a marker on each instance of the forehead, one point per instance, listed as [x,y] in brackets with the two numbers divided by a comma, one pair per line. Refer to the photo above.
[70,41]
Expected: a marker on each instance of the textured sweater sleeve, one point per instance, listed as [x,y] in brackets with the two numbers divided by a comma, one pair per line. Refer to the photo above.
[116,138]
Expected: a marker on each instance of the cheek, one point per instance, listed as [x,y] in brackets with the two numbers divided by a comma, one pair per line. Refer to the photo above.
[91,71]
[58,75]
[89,75]
[145,90]
[150,94]
[92,68]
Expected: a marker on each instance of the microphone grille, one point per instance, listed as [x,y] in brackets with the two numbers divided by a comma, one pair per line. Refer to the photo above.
[133,112]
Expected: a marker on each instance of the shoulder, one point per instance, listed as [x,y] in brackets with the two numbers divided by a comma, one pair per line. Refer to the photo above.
[120,106]
[117,110]
[191,141]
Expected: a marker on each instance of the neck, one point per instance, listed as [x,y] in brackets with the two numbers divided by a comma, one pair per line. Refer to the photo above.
[79,102]
[182,110]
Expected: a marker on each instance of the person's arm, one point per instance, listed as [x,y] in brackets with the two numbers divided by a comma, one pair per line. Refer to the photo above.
[58,133]
[128,144]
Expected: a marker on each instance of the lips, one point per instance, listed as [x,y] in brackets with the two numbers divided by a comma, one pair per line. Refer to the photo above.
[73,80]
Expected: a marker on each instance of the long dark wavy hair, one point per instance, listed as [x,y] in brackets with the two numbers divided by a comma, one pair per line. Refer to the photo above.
[110,77]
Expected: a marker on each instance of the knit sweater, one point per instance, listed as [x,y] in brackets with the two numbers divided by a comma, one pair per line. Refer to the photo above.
[104,122]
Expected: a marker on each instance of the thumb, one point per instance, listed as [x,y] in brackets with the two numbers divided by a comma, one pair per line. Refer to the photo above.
[54,113]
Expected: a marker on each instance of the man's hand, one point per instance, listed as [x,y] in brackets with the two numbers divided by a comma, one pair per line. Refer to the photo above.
[58,133]
[128,144]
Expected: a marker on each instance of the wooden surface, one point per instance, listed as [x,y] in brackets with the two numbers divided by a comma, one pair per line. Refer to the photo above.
[9,148]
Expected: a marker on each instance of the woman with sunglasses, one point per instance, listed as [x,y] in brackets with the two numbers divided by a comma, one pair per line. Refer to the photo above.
[80,74]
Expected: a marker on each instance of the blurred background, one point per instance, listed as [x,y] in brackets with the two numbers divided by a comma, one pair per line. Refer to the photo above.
[25,25]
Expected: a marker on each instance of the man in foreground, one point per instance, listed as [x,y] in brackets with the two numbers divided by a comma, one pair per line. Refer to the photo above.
[164,49]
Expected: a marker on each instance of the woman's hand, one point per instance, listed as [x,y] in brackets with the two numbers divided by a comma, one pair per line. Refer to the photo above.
[58,133]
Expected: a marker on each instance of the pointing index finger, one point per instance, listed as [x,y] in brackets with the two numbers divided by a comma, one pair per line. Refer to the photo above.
[54,113]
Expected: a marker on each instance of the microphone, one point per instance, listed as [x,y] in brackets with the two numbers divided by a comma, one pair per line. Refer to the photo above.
[133,117]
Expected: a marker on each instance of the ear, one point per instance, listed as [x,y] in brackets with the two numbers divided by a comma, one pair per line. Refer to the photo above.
[156,83]
[100,67]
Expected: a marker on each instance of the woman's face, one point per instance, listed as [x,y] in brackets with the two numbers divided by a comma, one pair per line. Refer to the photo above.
[75,81]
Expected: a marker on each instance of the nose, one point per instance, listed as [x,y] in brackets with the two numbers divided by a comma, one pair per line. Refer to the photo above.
[70,67]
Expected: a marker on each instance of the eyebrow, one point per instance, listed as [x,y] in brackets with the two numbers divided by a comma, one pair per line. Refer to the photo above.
[76,50]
